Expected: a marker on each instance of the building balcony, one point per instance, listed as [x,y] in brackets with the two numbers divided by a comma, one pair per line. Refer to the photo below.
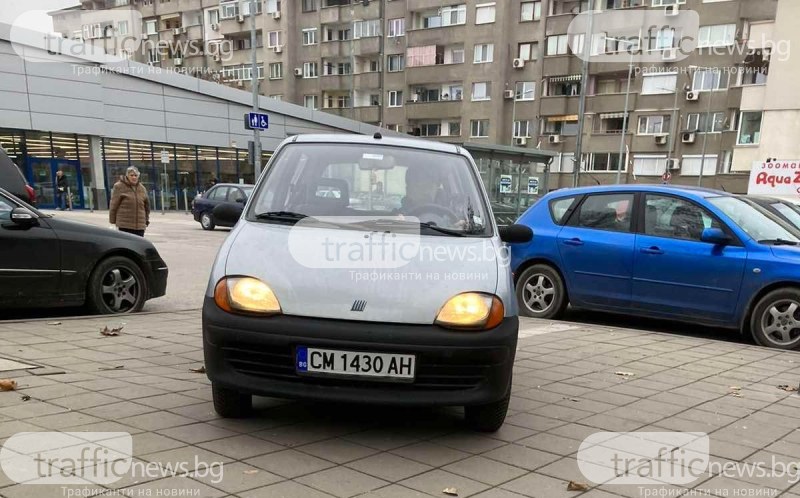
[367,46]
[368,80]
[612,102]
[416,5]
[558,25]
[665,102]
[349,13]
[333,49]
[447,35]
[562,64]
[608,141]
[335,82]
[558,106]
[647,144]
[439,73]
[433,110]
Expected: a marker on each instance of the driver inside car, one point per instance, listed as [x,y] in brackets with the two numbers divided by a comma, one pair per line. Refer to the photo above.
[424,188]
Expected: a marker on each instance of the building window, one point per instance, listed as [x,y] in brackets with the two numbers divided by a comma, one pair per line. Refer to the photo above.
[690,165]
[310,70]
[558,45]
[750,128]
[647,165]
[309,5]
[522,129]
[153,55]
[454,15]
[484,13]
[484,53]
[213,16]
[482,90]
[366,29]
[122,28]
[706,123]
[664,3]
[395,127]
[721,35]
[311,101]
[706,80]
[560,125]
[662,39]
[525,90]
[150,27]
[564,86]
[276,96]
[654,125]
[454,128]
[276,71]
[395,63]
[397,27]
[604,161]
[655,84]
[395,98]
[528,51]
[479,128]
[530,11]
[274,39]
[310,36]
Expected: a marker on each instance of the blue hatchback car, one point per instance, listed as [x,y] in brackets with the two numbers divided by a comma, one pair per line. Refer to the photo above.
[660,251]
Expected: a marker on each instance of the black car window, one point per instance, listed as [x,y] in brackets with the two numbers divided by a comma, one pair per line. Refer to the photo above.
[5,209]
[559,209]
[235,194]
[218,194]
[610,212]
[676,218]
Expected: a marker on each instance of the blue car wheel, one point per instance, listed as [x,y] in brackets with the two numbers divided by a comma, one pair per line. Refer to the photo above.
[541,292]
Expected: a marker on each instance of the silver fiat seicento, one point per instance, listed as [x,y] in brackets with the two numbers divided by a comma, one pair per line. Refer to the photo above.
[364,269]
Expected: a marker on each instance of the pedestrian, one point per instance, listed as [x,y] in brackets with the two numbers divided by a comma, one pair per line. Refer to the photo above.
[61,191]
[130,205]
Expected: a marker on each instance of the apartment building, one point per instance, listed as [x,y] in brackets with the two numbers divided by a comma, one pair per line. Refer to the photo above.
[500,72]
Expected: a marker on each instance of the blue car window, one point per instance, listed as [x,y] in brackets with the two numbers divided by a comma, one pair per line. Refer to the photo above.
[675,218]
[610,212]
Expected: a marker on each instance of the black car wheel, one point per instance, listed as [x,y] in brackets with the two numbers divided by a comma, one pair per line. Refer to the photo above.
[540,292]
[489,417]
[775,322]
[229,403]
[117,285]
[206,221]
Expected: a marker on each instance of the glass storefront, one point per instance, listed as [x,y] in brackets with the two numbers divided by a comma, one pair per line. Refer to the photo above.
[228,172]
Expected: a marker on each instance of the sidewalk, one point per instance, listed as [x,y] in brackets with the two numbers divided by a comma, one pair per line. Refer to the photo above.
[571,380]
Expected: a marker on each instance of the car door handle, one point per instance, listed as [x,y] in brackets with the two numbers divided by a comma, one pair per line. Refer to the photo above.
[651,250]
[573,242]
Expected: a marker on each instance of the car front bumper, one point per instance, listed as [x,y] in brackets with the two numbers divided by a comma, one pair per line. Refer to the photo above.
[256,355]
[157,280]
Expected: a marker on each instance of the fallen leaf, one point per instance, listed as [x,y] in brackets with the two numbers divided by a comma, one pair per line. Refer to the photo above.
[250,472]
[575,400]
[53,323]
[450,491]
[735,394]
[200,370]
[577,486]
[112,368]
[625,374]
[787,388]
[7,384]
[735,388]
[25,397]
[111,332]
[148,337]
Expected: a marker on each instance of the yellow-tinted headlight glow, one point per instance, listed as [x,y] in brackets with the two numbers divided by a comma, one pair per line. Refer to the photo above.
[471,310]
[249,295]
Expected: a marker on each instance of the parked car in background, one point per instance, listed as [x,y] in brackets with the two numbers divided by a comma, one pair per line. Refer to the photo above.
[12,179]
[689,254]
[51,262]
[782,208]
[221,193]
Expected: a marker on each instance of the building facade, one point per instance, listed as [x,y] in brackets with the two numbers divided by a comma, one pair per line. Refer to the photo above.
[501,72]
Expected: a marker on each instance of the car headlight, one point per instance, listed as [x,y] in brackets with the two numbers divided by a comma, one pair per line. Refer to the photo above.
[246,295]
[471,310]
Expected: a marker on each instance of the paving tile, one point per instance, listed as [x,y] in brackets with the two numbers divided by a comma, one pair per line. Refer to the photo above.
[552,443]
[118,410]
[237,477]
[289,463]
[431,453]
[196,433]
[389,467]
[485,470]
[87,400]
[64,420]
[174,486]
[501,493]
[342,482]
[611,423]
[469,442]
[186,457]
[435,481]
[150,442]
[241,447]
[521,456]
[534,422]
[396,491]
[536,485]
[337,450]
[156,420]
[285,489]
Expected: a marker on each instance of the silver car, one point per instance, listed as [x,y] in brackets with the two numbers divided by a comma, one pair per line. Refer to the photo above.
[364,269]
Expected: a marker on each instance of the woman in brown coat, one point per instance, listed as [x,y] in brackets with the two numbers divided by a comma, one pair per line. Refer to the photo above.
[130,206]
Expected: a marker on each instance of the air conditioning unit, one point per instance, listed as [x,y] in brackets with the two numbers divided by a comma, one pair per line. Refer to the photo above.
[674,164]
[508,94]
[276,15]
[214,27]
[298,71]
[178,61]
[661,139]
[518,63]
[179,31]
[672,10]
[692,95]
[521,141]
[240,83]
[277,49]
[240,18]
[688,137]
[669,54]
[554,139]
[414,98]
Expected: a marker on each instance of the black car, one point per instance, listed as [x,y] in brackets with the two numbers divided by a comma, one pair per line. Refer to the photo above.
[221,193]
[51,262]
[13,181]
[783,209]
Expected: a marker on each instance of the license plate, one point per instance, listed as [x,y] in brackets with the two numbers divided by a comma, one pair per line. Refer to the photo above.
[355,364]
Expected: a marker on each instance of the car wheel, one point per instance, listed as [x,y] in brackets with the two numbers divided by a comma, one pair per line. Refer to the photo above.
[229,403]
[487,418]
[540,292]
[206,221]
[775,322]
[117,285]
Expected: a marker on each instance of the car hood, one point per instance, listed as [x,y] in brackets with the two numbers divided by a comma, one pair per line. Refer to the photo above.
[75,230]
[310,282]
[786,252]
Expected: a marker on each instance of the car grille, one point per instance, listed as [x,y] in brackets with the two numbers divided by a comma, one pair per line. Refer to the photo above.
[437,370]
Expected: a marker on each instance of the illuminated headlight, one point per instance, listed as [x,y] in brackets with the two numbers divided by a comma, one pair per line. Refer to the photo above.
[471,310]
[246,295]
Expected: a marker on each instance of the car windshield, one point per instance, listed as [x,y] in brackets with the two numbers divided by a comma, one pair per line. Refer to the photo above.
[247,191]
[756,222]
[790,212]
[440,190]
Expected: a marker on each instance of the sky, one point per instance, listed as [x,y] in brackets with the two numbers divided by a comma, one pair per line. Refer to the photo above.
[32,14]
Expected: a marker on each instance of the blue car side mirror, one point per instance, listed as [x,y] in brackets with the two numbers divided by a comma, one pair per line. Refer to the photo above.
[715,236]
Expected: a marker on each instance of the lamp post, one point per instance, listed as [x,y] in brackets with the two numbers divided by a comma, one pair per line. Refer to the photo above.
[627,99]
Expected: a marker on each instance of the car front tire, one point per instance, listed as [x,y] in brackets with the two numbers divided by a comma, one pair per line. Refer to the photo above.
[489,417]
[229,403]
[775,322]
[206,221]
[116,285]
[541,292]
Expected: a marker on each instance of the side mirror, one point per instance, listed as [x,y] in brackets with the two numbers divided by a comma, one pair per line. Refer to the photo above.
[715,236]
[240,200]
[516,234]
[24,217]
[227,213]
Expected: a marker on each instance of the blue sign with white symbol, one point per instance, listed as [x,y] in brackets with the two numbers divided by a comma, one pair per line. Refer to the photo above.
[257,121]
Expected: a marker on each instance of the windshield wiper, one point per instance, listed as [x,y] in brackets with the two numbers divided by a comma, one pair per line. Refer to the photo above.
[281,216]
[405,223]
[779,242]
